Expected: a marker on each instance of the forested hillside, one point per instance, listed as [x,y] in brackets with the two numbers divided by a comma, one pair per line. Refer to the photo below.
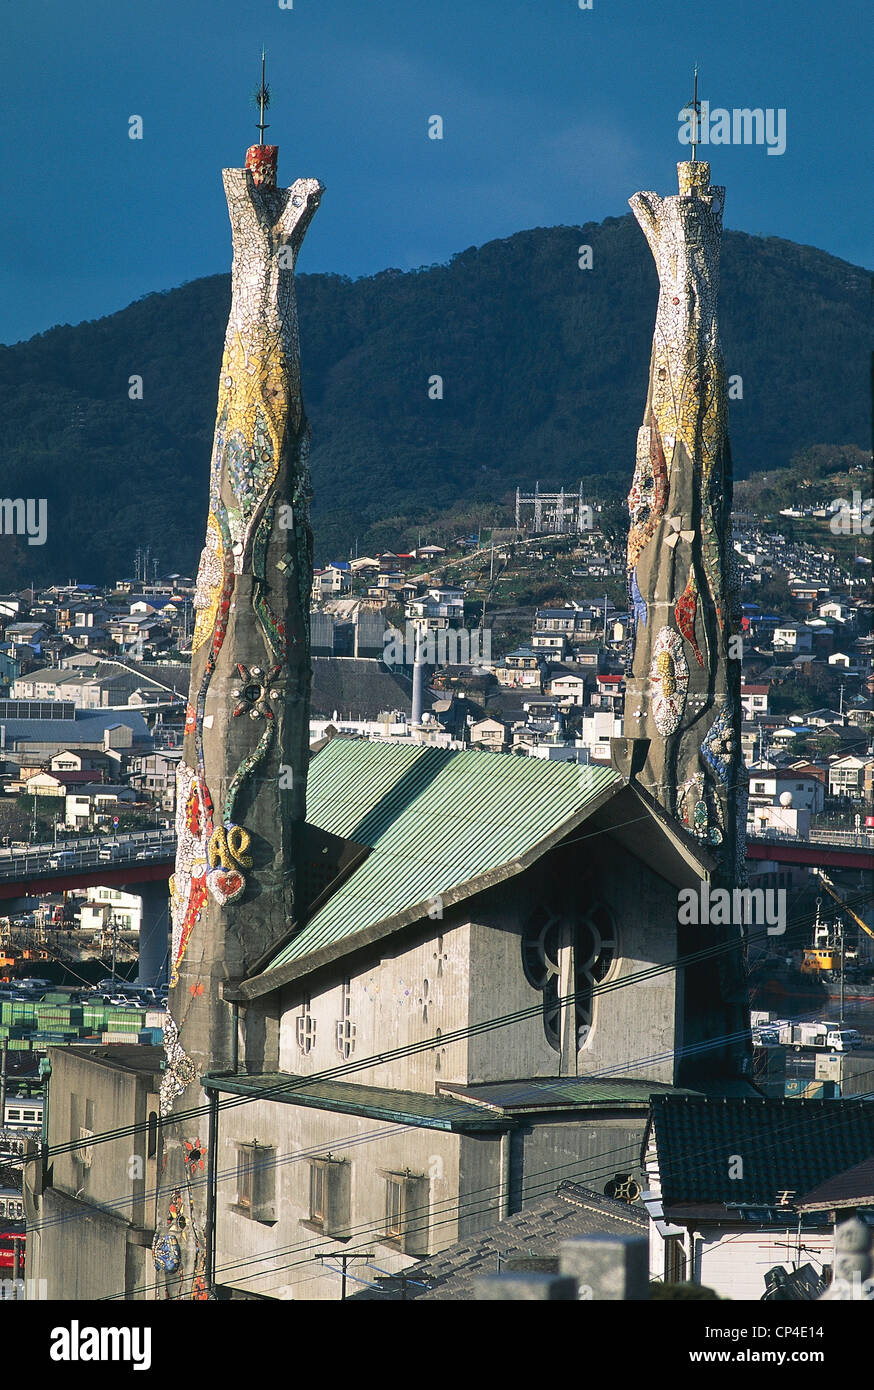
[544,370]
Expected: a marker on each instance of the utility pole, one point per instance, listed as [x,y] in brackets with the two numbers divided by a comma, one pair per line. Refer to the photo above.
[841,939]
[344,1260]
[4,1060]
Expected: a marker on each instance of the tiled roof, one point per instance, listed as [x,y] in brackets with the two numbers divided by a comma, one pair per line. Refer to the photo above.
[404,801]
[536,1232]
[855,1187]
[358,688]
[783,1145]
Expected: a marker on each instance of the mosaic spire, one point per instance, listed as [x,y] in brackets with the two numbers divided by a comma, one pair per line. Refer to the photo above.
[683,687]
[241,783]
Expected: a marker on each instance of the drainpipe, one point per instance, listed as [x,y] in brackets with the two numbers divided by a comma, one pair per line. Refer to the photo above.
[45,1074]
[211,1176]
[235,1041]
[504,1203]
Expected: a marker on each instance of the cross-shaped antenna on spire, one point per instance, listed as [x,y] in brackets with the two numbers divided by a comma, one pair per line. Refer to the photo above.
[695,108]
[262,98]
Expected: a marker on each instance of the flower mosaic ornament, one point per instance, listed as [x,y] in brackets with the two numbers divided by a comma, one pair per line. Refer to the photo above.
[669,681]
[195,1156]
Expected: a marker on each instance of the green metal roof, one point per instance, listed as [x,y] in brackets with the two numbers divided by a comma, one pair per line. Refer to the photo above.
[372,1102]
[575,1092]
[436,819]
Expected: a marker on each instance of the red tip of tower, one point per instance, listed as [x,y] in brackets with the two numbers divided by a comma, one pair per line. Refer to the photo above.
[261,163]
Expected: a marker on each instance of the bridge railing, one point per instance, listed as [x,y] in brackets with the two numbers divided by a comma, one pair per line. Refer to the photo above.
[110,850]
[851,839]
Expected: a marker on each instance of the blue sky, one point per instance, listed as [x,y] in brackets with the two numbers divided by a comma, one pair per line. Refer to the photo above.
[552,114]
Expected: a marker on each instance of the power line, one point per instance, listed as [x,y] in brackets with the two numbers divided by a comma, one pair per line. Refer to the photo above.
[427,1044]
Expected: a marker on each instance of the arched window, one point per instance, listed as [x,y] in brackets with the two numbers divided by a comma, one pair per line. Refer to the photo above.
[568,949]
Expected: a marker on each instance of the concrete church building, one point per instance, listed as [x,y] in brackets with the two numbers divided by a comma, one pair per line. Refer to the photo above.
[412,988]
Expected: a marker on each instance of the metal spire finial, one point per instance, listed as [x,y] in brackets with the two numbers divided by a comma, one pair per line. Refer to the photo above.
[694,107]
[262,98]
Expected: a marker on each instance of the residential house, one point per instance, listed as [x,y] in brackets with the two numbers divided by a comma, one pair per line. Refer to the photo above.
[724,1179]
[768,785]
[754,700]
[154,775]
[96,803]
[793,637]
[568,687]
[599,727]
[524,667]
[107,908]
[609,692]
[489,733]
[847,776]
[552,644]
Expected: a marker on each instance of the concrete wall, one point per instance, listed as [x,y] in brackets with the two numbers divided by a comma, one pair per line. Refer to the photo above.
[628,1025]
[466,968]
[94,1225]
[403,994]
[279,1259]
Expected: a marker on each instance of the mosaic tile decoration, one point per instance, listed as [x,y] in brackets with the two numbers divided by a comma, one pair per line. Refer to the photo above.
[679,556]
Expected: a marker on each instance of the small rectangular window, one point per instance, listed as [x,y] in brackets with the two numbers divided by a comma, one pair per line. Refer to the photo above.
[256,1182]
[317,1193]
[245,1166]
[330,1196]
[406,1212]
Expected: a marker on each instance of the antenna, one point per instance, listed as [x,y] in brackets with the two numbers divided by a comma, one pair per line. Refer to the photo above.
[694,108]
[262,97]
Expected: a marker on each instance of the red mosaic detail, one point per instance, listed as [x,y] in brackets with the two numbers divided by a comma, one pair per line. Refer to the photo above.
[194,1155]
[684,612]
[196,904]
[192,813]
[261,162]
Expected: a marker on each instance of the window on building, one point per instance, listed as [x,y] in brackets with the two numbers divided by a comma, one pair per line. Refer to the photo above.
[330,1196]
[346,1029]
[256,1181]
[305,1028]
[675,1260]
[406,1212]
[574,943]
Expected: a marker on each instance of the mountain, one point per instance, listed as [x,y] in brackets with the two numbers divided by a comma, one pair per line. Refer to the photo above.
[544,369]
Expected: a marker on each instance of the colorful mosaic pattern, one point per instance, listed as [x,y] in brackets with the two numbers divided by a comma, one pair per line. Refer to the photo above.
[669,681]
[685,611]
[679,543]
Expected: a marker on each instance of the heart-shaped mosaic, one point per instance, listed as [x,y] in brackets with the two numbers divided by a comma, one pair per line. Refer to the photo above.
[226,885]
